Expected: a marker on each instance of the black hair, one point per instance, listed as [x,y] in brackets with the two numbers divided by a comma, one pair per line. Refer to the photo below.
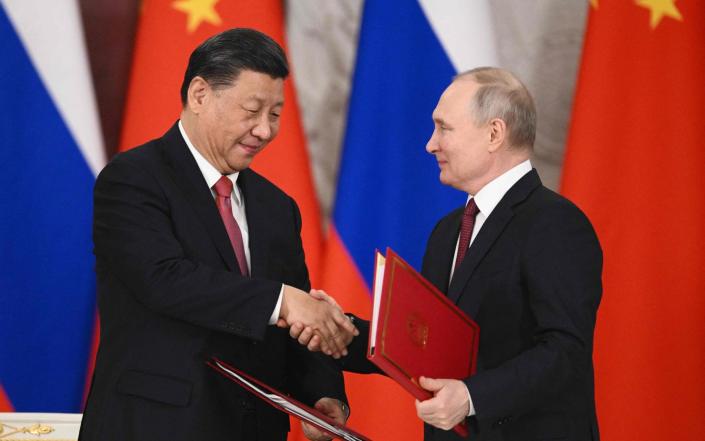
[220,59]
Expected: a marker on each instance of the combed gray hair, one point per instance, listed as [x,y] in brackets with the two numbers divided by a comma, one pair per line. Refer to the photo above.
[502,95]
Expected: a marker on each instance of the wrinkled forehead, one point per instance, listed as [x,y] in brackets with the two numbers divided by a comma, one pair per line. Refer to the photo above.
[259,87]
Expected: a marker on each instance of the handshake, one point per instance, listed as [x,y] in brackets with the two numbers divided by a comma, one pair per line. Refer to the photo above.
[316,321]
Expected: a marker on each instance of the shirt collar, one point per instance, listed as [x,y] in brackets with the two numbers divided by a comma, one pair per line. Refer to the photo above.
[490,195]
[210,173]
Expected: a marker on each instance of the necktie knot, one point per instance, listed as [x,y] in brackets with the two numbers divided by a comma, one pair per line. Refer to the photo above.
[471,210]
[224,187]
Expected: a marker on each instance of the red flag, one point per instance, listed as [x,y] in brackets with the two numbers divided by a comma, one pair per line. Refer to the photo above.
[168,31]
[636,165]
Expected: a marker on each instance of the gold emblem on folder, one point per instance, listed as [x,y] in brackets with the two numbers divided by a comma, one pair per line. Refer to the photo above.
[417,328]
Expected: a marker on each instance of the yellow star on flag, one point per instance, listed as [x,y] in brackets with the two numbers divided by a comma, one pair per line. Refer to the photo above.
[594,3]
[198,11]
[659,9]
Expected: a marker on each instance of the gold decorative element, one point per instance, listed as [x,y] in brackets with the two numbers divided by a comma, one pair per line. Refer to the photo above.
[198,11]
[417,328]
[660,9]
[36,429]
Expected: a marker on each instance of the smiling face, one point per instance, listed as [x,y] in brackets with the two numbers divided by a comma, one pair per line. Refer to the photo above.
[462,148]
[230,125]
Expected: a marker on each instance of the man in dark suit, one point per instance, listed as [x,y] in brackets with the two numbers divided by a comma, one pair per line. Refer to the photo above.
[519,259]
[198,256]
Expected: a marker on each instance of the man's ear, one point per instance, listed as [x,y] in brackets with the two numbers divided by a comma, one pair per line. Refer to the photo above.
[197,94]
[497,134]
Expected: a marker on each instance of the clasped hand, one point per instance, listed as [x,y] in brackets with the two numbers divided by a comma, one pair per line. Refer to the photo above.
[317,321]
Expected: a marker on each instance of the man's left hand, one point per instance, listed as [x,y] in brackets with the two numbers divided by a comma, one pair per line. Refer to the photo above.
[330,407]
[449,405]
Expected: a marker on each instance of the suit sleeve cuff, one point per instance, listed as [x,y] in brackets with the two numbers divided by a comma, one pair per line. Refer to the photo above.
[471,407]
[275,315]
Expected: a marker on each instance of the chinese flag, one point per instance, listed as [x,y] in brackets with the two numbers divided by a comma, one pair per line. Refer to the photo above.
[635,164]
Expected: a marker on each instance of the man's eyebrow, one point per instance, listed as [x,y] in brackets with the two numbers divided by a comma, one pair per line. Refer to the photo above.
[261,99]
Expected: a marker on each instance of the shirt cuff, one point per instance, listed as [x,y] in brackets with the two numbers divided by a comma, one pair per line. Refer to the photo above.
[275,315]
[471,407]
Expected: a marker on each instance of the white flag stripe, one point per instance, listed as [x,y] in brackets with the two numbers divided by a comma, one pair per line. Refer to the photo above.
[52,33]
[464,28]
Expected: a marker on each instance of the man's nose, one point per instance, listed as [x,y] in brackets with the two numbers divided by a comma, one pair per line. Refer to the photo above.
[432,145]
[263,128]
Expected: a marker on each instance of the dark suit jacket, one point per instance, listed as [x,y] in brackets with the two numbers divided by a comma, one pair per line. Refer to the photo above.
[532,281]
[170,294]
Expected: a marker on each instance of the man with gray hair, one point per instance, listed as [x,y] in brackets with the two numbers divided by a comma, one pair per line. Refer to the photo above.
[522,261]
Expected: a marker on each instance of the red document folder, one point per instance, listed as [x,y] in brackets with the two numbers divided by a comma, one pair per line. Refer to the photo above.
[285,403]
[417,331]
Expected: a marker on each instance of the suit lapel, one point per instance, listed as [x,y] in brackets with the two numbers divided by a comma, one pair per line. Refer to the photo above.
[256,223]
[189,179]
[446,249]
[490,231]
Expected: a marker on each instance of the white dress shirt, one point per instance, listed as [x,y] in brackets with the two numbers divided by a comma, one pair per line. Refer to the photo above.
[487,199]
[212,175]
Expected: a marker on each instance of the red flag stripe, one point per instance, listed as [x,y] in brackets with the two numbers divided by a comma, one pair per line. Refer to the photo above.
[5,405]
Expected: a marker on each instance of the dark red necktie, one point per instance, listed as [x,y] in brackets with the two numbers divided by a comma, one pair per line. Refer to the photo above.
[466,227]
[223,190]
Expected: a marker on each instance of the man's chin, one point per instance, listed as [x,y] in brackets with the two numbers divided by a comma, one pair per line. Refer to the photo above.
[240,164]
[444,179]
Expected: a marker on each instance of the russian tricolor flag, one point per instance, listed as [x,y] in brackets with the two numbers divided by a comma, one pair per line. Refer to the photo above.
[388,189]
[51,151]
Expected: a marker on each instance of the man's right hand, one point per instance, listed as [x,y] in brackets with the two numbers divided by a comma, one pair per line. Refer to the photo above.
[324,319]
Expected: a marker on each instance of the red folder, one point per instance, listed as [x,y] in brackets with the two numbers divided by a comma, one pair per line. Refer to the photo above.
[285,403]
[417,331]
